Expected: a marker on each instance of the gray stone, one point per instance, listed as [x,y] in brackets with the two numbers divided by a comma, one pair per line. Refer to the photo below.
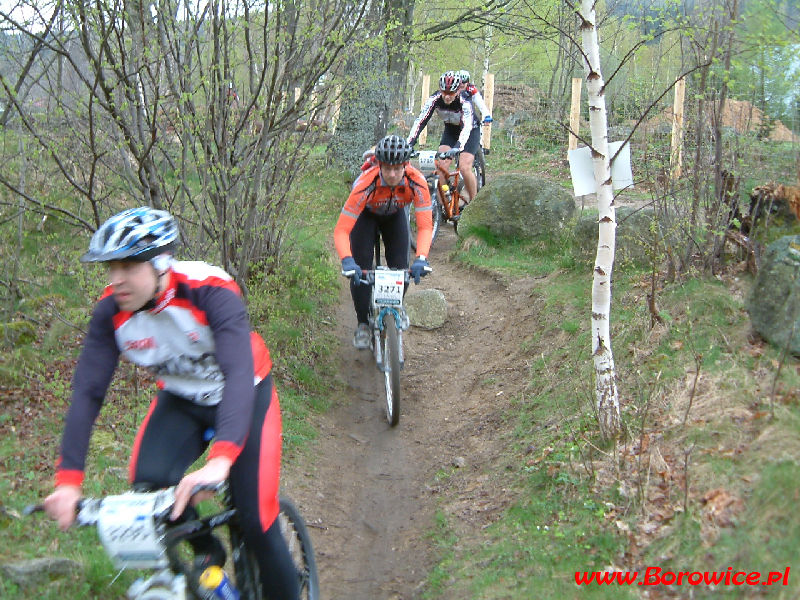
[38,571]
[633,243]
[518,207]
[774,300]
[427,309]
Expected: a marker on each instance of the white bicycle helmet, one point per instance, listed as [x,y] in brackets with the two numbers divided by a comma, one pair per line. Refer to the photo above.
[392,150]
[449,82]
[138,234]
[464,76]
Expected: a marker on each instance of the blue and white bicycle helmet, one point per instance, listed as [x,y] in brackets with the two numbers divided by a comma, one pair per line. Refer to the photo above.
[138,234]
[463,74]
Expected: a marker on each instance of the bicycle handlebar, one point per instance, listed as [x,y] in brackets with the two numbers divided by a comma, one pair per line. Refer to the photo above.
[90,504]
[447,155]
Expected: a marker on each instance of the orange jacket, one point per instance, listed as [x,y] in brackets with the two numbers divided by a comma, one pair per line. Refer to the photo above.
[371,193]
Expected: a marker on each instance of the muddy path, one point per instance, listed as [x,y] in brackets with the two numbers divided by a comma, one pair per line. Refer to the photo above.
[370,493]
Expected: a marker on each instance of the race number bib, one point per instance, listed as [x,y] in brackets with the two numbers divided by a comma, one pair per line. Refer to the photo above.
[426,161]
[388,290]
[126,527]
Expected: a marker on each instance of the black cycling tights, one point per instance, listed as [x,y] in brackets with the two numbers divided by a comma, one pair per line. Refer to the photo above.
[172,438]
[394,231]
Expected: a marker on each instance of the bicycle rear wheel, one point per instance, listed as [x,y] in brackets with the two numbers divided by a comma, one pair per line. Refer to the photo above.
[295,532]
[390,341]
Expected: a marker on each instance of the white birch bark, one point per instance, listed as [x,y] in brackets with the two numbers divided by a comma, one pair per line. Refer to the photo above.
[605,376]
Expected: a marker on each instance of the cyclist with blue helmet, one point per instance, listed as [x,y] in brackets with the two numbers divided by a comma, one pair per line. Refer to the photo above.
[187,323]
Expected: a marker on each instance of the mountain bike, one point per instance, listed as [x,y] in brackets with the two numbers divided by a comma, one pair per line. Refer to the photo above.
[387,322]
[136,533]
[446,195]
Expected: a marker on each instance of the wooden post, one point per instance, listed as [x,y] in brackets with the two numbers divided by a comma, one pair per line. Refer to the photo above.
[426,89]
[676,153]
[488,97]
[337,104]
[575,113]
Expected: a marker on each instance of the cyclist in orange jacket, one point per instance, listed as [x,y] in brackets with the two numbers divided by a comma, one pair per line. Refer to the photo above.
[378,201]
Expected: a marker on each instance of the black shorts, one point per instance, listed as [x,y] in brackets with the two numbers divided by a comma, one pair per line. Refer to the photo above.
[450,138]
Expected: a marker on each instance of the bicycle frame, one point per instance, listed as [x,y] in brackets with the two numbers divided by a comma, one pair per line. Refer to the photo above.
[430,164]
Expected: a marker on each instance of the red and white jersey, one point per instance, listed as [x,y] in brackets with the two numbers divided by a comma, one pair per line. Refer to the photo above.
[195,337]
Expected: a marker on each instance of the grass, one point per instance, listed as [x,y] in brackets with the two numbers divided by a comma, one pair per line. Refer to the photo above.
[582,505]
[575,503]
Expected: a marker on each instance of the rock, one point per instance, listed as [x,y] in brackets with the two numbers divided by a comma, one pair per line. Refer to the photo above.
[519,207]
[427,309]
[18,333]
[38,571]
[774,301]
[633,237]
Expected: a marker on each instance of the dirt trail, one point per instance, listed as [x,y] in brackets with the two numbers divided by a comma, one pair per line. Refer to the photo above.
[371,493]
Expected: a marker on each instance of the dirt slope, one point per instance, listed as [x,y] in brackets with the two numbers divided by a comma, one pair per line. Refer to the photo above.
[371,493]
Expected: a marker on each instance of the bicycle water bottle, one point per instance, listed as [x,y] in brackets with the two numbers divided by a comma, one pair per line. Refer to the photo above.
[446,191]
[216,584]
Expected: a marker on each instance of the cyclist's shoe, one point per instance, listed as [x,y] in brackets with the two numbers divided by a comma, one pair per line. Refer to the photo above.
[208,550]
[362,337]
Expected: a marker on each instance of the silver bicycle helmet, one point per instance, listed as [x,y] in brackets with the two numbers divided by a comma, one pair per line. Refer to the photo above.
[392,150]
[136,234]
[449,82]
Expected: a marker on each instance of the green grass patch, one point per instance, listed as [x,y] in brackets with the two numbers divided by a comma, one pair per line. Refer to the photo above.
[565,515]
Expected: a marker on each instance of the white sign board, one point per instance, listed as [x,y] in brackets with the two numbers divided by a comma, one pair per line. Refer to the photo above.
[582,171]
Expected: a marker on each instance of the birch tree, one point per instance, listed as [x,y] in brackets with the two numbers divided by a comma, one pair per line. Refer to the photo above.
[607,398]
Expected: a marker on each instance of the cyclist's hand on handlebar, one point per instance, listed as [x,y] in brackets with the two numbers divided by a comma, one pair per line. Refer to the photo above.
[351,269]
[420,268]
[62,505]
[215,471]
[452,153]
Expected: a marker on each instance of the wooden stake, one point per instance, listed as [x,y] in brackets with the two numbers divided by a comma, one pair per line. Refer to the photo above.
[575,113]
[488,97]
[426,88]
[676,153]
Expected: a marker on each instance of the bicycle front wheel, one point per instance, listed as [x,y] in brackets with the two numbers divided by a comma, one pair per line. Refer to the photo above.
[390,340]
[245,567]
[295,532]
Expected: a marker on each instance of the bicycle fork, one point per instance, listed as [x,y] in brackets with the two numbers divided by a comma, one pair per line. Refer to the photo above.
[402,323]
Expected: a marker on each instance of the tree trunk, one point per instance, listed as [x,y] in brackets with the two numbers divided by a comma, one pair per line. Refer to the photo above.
[605,376]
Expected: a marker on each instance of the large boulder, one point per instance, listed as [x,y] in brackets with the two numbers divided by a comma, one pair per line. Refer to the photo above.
[427,309]
[634,239]
[774,301]
[519,207]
